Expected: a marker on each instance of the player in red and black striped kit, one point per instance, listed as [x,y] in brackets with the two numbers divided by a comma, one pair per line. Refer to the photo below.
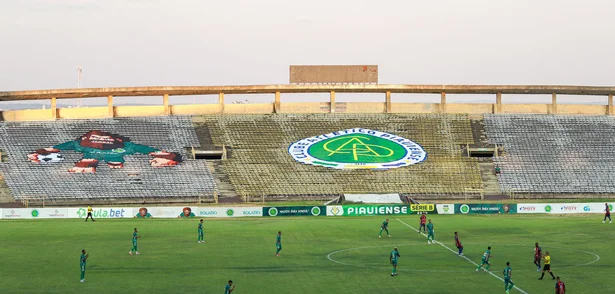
[458,244]
[560,287]
[607,214]
[422,223]
[537,256]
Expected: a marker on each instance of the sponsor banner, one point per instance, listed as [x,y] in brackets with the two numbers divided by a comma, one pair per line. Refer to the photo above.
[357,210]
[445,208]
[104,212]
[16,213]
[1,213]
[243,211]
[485,208]
[294,211]
[596,207]
[167,212]
[562,208]
[423,208]
[49,212]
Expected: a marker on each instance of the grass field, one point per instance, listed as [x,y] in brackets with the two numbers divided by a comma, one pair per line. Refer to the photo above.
[320,255]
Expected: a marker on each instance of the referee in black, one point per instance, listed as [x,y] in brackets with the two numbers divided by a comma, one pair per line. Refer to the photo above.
[89,214]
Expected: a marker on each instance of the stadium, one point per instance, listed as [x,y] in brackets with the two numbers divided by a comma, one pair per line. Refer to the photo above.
[325,174]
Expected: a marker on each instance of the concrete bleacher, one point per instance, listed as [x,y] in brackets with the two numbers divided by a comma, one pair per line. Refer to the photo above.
[137,180]
[260,163]
[554,153]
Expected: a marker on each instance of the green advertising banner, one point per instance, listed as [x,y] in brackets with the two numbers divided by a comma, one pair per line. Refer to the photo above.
[294,211]
[485,208]
[356,210]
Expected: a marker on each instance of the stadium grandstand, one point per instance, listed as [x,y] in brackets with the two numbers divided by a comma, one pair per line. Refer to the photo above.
[211,152]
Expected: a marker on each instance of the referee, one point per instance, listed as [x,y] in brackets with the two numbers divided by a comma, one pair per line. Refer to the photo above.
[89,214]
[547,267]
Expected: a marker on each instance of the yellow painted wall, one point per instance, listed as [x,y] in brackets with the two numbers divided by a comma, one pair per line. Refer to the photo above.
[88,112]
[305,107]
[363,107]
[127,111]
[248,108]
[469,108]
[29,114]
[195,109]
[581,109]
[526,108]
[414,107]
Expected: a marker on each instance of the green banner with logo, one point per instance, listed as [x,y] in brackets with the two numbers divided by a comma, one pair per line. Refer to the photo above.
[358,210]
[485,208]
[294,211]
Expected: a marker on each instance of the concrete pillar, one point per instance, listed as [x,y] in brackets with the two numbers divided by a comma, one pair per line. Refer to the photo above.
[332,101]
[498,103]
[110,106]
[388,102]
[610,109]
[443,102]
[554,103]
[165,103]
[276,105]
[221,102]
[54,110]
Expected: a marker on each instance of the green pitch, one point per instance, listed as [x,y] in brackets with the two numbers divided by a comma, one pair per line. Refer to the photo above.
[320,255]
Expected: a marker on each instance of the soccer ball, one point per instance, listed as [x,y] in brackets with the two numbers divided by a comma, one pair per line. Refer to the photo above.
[50,158]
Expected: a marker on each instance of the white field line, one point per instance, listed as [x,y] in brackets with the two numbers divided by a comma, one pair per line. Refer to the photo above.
[464,257]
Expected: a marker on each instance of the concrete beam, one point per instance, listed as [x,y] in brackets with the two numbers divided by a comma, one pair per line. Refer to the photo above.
[276,105]
[165,103]
[332,101]
[221,101]
[498,103]
[54,110]
[553,103]
[110,106]
[443,102]
[610,109]
[387,100]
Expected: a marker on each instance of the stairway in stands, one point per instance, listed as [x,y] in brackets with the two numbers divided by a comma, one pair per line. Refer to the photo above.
[222,180]
[487,168]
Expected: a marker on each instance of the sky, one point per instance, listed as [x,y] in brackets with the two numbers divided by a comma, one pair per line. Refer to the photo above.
[236,42]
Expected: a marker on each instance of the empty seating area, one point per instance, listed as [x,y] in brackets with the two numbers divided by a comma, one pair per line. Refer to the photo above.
[260,163]
[137,180]
[554,153]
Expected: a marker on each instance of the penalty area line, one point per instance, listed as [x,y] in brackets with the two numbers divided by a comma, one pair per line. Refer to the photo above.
[464,257]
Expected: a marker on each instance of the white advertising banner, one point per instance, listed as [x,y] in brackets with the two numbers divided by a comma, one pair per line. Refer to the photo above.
[445,208]
[102,212]
[49,212]
[563,208]
[244,211]
[16,213]
[165,212]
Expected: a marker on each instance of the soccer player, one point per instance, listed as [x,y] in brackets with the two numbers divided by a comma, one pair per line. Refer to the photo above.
[485,260]
[200,239]
[278,243]
[607,214]
[228,288]
[393,258]
[560,287]
[134,243]
[384,227]
[458,244]
[82,260]
[508,283]
[430,233]
[547,267]
[537,256]
[89,214]
[422,223]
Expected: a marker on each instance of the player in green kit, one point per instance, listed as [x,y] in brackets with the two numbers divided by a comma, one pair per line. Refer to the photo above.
[384,227]
[228,288]
[394,258]
[485,260]
[201,239]
[430,233]
[82,260]
[134,243]
[508,283]
[278,243]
